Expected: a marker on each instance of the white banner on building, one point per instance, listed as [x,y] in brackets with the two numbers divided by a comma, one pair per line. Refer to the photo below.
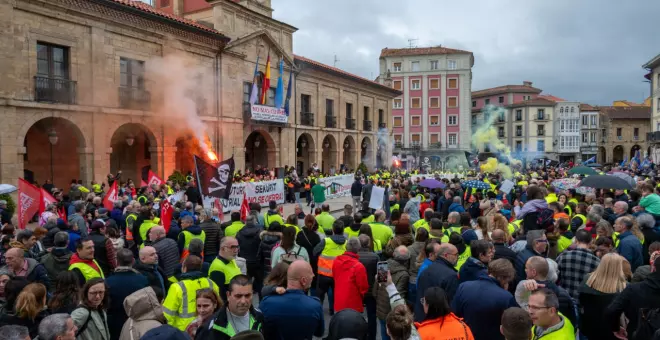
[337,186]
[259,192]
[268,114]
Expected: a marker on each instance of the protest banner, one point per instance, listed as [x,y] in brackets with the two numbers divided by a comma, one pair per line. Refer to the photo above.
[259,192]
[337,186]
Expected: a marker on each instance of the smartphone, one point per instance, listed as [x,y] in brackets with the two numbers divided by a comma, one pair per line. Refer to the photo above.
[383,268]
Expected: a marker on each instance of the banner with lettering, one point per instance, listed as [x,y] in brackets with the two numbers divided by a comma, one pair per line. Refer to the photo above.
[428,176]
[259,192]
[337,186]
[268,114]
[28,202]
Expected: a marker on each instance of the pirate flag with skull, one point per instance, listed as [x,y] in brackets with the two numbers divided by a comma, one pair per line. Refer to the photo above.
[215,181]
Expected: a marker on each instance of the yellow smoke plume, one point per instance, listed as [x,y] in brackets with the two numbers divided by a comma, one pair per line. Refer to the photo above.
[486,134]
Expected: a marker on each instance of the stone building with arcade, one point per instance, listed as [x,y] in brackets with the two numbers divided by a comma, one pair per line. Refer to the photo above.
[91,87]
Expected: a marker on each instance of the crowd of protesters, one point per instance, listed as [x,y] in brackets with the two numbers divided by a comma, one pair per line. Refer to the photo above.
[454,262]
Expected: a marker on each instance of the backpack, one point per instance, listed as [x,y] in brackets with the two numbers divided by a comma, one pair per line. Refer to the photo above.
[648,323]
[289,257]
[545,219]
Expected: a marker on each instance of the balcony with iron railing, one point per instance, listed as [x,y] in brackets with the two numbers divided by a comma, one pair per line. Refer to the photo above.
[542,117]
[55,90]
[435,146]
[350,123]
[366,125]
[134,98]
[307,118]
[330,121]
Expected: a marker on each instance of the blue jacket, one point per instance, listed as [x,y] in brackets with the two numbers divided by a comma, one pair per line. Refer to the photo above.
[441,274]
[74,236]
[521,259]
[117,215]
[630,248]
[457,207]
[292,316]
[471,270]
[425,264]
[122,283]
[481,303]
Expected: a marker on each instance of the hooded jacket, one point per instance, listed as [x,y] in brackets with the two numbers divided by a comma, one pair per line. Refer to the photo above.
[36,272]
[456,207]
[441,273]
[144,313]
[351,282]
[248,238]
[78,220]
[471,270]
[97,326]
[213,237]
[347,324]
[55,262]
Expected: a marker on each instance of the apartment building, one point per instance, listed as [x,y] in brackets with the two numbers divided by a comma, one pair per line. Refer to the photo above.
[627,132]
[653,76]
[431,117]
[567,127]
[593,132]
[532,129]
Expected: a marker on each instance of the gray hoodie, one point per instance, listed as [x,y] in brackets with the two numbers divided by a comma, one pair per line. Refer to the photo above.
[144,313]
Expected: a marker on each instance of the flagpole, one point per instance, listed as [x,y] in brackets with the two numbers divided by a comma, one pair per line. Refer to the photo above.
[199,185]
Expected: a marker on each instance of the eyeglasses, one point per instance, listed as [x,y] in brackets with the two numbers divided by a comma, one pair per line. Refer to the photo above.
[232,247]
[530,307]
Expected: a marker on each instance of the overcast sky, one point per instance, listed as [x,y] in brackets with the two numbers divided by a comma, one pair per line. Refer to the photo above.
[590,51]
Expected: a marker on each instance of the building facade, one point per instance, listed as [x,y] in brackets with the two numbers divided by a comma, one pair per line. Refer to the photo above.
[533,133]
[653,77]
[567,127]
[593,132]
[626,133]
[93,87]
[431,117]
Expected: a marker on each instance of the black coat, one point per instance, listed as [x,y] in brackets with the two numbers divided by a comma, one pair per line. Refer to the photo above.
[441,274]
[645,294]
[248,239]
[32,326]
[208,332]
[521,259]
[356,188]
[347,324]
[369,260]
[121,284]
[151,273]
[592,305]
[503,252]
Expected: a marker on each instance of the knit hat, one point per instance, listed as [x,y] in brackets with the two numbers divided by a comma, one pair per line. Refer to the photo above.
[248,335]
[165,332]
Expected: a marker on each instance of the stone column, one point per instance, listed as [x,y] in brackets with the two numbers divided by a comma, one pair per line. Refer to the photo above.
[86,157]
[169,161]
[157,156]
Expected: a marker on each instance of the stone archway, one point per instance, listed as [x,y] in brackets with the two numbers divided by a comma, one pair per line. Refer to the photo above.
[259,150]
[617,154]
[187,147]
[55,151]
[329,154]
[305,153]
[634,150]
[367,152]
[134,152]
[602,155]
[349,148]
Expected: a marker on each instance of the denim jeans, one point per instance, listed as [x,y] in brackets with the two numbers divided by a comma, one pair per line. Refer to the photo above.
[383,330]
[297,194]
[370,303]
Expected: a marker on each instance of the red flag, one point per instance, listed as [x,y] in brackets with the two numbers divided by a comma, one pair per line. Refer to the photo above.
[153,179]
[111,196]
[143,183]
[166,214]
[46,199]
[218,205]
[265,87]
[245,208]
[28,202]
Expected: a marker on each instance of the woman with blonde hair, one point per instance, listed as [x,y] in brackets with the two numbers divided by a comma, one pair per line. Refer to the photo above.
[482,228]
[500,222]
[29,310]
[597,292]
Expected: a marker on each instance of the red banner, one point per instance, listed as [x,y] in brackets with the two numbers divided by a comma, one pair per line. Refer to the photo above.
[245,208]
[111,196]
[28,202]
[166,215]
[46,199]
[153,179]
[143,183]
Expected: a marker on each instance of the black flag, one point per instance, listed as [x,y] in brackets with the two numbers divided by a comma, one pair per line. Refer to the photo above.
[215,180]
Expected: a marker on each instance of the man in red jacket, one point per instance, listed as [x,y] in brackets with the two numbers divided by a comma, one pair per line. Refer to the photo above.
[350,278]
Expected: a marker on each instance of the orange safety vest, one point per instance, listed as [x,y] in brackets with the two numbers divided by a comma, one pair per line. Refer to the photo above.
[328,255]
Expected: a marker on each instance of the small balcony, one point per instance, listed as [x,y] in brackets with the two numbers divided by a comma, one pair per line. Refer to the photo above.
[55,90]
[542,117]
[350,123]
[415,144]
[330,122]
[366,125]
[435,146]
[307,118]
[635,137]
[134,98]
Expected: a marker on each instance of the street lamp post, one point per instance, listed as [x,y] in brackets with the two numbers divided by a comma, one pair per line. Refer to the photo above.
[52,139]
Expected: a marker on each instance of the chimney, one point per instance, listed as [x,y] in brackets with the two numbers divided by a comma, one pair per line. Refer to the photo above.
[527,83]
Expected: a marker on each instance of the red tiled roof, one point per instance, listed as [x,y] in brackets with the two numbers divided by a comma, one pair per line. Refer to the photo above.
[151,10]
[534,102]
[505,89]
[397,52]
[622,112]
[551,97]
[342,72]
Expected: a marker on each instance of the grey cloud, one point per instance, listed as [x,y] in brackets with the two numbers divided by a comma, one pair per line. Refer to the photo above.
[587,50]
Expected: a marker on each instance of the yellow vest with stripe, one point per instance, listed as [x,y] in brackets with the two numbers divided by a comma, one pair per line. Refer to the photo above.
[229,331]
[180,306]
[443,239]
[187,237]
[144,229]
[514,226]
[330,251]
[229,269]
[270,218]
[130,220]
[450,230]
[88,271]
